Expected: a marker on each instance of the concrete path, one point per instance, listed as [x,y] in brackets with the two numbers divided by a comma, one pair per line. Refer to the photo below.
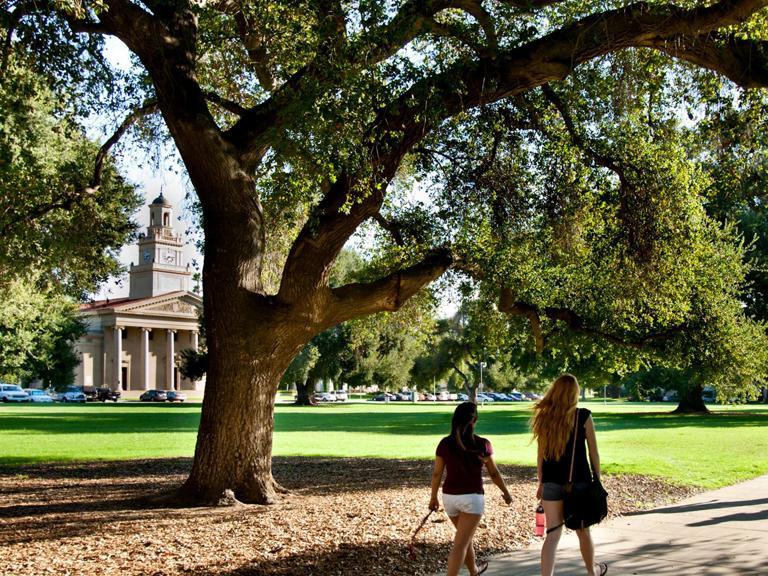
[714,533]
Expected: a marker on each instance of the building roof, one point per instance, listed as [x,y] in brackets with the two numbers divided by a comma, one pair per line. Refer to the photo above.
[101,304]
[119,303]
[160,200]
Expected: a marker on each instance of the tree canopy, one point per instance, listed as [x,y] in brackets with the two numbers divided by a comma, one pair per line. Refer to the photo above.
[550,139]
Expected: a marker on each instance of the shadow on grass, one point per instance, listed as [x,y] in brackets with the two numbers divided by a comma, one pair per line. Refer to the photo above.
[406,420]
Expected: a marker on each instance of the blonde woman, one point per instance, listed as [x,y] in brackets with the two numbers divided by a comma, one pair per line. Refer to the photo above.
[555,417]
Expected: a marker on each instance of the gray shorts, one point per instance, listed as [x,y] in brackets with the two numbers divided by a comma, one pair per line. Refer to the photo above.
[555,491]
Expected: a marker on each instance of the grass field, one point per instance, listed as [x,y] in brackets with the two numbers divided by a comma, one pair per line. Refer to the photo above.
[708,451]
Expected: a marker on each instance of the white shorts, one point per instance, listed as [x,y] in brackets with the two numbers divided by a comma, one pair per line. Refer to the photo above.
[467,503]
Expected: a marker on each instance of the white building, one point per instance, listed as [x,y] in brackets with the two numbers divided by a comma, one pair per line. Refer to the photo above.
[134,343]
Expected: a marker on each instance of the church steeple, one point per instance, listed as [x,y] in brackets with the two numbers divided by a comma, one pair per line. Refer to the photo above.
[160,268]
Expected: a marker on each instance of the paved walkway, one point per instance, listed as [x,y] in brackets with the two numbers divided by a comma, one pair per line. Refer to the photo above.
[714,533]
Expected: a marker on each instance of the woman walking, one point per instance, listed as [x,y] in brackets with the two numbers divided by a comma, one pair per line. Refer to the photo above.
[555,419]
[462,455]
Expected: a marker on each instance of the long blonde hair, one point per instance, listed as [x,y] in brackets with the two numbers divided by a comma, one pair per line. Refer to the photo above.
[552,419]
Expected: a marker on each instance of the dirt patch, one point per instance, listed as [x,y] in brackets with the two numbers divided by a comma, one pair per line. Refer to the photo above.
[343,516]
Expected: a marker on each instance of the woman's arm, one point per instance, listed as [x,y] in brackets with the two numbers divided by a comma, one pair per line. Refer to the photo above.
[437,476]
[594,456]
[539,472]
[495,475]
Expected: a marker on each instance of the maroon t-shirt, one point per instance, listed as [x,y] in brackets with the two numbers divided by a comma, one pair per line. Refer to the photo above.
[464,472]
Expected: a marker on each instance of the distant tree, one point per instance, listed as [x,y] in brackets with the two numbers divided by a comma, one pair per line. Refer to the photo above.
[298,374]
[38,327]
[64,209]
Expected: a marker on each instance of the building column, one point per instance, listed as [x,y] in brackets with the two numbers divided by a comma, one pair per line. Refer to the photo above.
[118,379]
[169,365]
[145,358]
[194,340]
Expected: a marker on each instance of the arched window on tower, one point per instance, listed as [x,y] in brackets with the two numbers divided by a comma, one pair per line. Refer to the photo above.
[166,219]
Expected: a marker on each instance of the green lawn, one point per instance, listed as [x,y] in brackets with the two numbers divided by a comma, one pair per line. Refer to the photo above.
[709,451]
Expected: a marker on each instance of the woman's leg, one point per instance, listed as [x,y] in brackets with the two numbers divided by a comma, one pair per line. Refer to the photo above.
[469,559]
[553,510]
[587,550]
[462,543]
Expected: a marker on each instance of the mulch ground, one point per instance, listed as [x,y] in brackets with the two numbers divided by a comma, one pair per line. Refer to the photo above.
[343,516]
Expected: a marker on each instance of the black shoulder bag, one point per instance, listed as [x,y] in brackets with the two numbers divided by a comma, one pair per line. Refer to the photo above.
[585,506]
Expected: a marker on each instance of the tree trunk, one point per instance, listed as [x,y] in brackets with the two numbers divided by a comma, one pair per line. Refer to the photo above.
[691,401]
[304,393]
[251,341]
[233,455]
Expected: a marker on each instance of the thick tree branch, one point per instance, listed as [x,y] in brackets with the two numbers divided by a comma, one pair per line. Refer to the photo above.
[228,105]
[475,8]
[386,294]
[391,227]
[508,305]
[254,45]
[744,62]
[575,323]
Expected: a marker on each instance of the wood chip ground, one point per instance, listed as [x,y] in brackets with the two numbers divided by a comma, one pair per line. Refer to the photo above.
[341,517]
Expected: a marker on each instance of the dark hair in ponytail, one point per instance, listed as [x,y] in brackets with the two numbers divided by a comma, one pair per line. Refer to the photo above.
[463,430]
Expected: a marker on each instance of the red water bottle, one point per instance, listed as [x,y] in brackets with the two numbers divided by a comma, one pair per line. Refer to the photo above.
[541,521]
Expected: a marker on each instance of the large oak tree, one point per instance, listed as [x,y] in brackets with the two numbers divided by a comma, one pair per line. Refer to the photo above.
[304,113]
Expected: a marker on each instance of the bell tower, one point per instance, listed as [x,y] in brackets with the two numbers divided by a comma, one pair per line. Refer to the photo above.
[160,269]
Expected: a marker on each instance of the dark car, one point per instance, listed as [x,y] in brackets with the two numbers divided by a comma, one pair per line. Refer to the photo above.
[100,394]
[174,396]
[154,396]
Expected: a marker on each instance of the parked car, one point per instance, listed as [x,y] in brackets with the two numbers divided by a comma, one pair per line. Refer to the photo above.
[37,395]
[71,394]
[461,397]
[483,397]
[12,393]
[323,397]
[516,396]
[340,395]
[100,394]
[383,397]
[429,397]
[153,396]
[174,396]
[499,397]
[670,396]
[532,396]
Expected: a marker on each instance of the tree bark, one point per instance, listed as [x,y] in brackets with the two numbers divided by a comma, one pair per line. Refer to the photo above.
[304,393]
[691,401]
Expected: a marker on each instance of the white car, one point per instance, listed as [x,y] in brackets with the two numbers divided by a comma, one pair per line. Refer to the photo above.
[71,394]
[340,395]
[37,395]
[12,393]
